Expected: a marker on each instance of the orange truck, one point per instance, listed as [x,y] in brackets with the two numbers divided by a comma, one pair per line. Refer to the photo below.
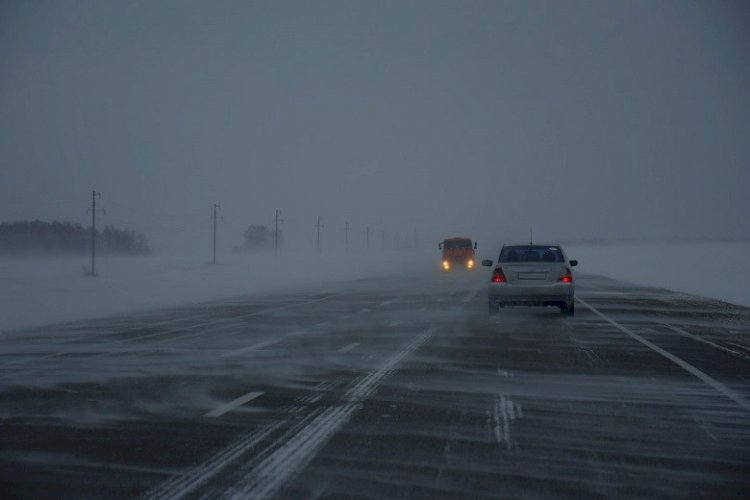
[458,253]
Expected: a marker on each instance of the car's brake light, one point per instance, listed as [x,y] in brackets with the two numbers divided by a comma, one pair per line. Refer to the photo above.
[498,276]
[565,276]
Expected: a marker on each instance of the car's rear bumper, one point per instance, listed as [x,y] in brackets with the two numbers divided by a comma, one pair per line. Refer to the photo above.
[514,294]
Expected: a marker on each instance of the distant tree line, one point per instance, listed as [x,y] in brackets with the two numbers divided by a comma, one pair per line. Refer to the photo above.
[39,237]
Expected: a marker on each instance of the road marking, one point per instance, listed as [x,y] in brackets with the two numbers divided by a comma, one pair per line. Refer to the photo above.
[296,452]
[249,445]
[718,386]
[348,348]
[254,347]
[396,322]
[707,342]
[504,412]
[221,410]
[389,302]
[469,297]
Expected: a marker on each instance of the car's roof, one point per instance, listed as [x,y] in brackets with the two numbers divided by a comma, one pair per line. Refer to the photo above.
[456,238]
[535,244]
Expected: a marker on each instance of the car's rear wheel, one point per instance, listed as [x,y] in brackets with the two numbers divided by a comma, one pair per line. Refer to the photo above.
[493,308]
[569,310]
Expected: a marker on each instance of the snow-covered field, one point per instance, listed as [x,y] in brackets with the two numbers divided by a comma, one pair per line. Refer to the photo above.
[717,270]
[35,291]
[44,291]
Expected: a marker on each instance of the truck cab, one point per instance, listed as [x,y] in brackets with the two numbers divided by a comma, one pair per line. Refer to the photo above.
[458,253]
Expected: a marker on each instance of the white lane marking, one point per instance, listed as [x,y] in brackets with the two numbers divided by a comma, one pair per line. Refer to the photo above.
[396,322]
[469,297]
[389,302]
[254,347]
[504,412]
[348,348]
[718,386]
[221,410]
[295,453]
[707,342]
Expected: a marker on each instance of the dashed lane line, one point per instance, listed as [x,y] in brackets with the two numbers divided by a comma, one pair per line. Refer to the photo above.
[251,348]
[708,380]
[348,348]
[390,302]
[221,410]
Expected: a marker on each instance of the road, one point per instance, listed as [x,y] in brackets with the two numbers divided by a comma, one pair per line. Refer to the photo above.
[391,387]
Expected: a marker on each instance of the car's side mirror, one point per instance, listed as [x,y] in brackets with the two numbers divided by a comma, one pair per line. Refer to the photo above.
[487,263]
[475,245]
[440,246]
[573,263]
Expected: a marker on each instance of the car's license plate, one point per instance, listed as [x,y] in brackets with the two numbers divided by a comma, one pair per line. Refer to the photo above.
[532,276]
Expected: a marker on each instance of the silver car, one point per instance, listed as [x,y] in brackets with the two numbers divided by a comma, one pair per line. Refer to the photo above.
[532,275]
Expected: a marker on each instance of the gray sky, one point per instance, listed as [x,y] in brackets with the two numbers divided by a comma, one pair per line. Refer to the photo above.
[579,119]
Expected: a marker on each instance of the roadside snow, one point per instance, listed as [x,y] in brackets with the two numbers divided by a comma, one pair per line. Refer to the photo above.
[713,269]
[35,292]
[44,291]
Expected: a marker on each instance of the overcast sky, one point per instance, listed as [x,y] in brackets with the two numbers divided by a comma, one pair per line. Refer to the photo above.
[580,119]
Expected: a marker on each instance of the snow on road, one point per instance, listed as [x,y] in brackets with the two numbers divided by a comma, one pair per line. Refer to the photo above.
[43,291]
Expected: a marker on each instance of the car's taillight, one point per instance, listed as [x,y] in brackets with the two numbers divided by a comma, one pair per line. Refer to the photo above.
[498,276]
[565,276]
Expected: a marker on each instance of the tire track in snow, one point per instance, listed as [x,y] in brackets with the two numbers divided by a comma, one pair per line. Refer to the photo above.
[269,475]
[288,453]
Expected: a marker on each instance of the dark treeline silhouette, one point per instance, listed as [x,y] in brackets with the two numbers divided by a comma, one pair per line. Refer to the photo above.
[39,237]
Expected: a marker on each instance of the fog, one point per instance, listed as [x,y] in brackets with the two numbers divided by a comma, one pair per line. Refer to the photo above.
[488,119]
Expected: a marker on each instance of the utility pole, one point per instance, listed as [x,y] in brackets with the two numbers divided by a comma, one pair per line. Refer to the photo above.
[215,217]
[276,234]
[318,226]
[93,211]
[347,236]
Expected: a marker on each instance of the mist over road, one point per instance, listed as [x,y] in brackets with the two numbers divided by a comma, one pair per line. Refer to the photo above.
[389,387]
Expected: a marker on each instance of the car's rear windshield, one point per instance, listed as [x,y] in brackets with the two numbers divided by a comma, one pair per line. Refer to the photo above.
[453,244]
[529,253]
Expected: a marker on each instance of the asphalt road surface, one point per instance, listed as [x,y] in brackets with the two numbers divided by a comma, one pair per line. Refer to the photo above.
[396,387]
